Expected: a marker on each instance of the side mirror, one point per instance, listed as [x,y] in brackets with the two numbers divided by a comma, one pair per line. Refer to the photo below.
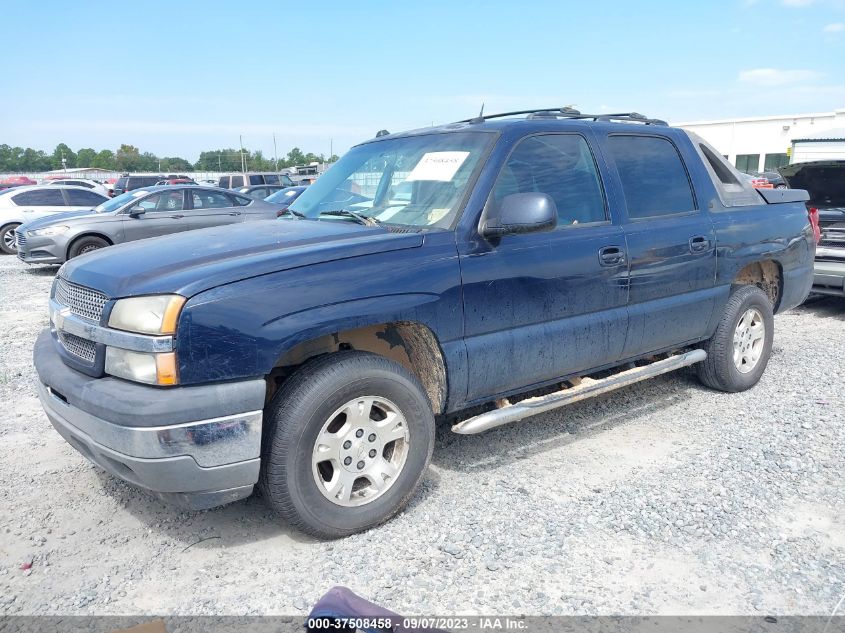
[529,212]
[137,211]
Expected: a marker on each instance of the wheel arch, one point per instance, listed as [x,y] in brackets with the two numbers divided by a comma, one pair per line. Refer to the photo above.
[102,236]
[766,274]
[410,343]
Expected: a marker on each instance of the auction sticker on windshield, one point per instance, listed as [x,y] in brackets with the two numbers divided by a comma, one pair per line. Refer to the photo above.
[440,166]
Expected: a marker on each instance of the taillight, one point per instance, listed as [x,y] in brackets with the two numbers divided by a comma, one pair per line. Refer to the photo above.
[813,214]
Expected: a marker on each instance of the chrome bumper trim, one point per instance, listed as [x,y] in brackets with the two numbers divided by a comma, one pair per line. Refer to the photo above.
[62,319]
[211,442]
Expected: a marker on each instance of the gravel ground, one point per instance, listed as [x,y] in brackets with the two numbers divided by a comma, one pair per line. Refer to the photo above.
[663,498]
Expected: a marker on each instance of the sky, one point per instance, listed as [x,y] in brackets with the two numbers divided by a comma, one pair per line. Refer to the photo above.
[177,78]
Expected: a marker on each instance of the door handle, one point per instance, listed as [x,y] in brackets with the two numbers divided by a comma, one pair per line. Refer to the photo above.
[611,256]
[176,217]
[698,244]
[235,213]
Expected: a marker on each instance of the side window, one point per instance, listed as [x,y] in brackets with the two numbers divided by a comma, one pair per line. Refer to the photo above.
[40,198]
[237,181]
[560,165]
[210,200]
[256,180]
[653,177]
[271,179]
[84,198]
[163,202]
[224,182]
[243,201]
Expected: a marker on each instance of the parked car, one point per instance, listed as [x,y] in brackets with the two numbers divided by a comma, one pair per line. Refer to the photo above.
[285,197]
[260,192]
[176,181]
[136,215]
[310,355]
[825,182]
[773,178]
[758,182]
[24,204]
[254,178]
[17,181]
[130,183]
[93,185]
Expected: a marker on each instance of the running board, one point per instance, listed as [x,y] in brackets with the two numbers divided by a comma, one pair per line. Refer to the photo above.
[587,388]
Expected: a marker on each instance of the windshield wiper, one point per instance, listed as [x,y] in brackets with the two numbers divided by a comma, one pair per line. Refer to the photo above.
[366,220]
[297,214]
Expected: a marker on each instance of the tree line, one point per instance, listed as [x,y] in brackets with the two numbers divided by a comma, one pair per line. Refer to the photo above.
[130,158]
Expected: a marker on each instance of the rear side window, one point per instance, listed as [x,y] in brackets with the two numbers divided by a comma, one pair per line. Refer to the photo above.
[256,179]
[242,201]
[40,198]
[224,182]
[210,200]
[653,177]
[560,165]
[271,179]
[84,198]
[237,181]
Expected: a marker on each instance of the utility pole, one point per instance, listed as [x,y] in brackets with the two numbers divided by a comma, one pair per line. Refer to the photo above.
[64,161]
[331,149]
[243,160]
[275,153]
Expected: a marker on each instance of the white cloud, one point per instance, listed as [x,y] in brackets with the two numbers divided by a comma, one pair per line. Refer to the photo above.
[776,77]
[834,27]
[797,3]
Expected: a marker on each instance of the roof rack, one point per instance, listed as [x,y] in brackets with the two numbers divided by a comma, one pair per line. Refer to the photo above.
[569,113]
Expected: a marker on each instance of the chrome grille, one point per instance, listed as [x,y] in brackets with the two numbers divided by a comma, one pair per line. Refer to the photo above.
[82,301]
[833,236]
[79,347]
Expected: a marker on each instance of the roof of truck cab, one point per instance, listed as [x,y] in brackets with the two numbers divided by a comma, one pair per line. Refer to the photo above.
[528,126]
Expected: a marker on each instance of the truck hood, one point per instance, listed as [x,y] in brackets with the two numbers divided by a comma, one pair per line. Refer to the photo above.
[191,262]
[823,179]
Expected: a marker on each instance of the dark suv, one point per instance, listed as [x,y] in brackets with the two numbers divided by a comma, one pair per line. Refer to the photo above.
[130,183]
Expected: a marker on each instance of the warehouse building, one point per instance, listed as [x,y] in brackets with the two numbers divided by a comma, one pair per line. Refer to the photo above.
[756,144]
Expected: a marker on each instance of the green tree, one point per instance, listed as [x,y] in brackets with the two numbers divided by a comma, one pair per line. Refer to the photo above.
[175,163]
[127,158]
[62,150]
[219,160]
[104,160]
[295,157]
[85,157]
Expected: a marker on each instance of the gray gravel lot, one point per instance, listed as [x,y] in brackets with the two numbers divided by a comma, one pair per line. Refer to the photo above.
[663,498]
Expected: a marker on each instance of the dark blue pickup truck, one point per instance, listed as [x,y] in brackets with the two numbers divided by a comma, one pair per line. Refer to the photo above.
[508,264]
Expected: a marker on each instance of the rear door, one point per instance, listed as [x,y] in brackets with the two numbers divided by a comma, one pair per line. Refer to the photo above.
[164,213]
[544,305]
[670,240]
[79,200]
[211,208]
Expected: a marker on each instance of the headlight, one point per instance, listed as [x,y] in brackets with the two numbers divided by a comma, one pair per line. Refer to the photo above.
[156,314]
[153,369]
[48,230]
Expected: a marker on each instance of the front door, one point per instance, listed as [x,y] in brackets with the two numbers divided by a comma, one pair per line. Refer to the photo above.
[671,245]
[163,214]
[545,305]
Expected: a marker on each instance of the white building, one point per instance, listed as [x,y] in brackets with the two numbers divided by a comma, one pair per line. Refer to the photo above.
[766,143]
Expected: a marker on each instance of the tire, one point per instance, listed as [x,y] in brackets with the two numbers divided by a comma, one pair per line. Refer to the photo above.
[296,478]
[86,245]
[7,239]
[736,357]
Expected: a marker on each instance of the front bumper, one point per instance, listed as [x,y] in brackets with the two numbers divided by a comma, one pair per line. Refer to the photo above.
[198,447]
[829,277]
[41,250]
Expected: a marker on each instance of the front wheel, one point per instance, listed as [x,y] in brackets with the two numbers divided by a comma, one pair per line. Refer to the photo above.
[86,244]
[739,350]
[347,440]
[8,239]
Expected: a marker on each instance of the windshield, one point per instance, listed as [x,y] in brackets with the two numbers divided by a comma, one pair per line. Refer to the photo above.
[115,203]
[285,196]
[410,181]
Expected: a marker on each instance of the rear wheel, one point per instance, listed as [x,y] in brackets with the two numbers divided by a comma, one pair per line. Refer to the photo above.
[739,351]
[8,239]
[86,245]
[346,442]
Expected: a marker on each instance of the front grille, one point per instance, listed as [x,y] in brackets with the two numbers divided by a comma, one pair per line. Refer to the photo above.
[833,236]
[21,239]
[82,301]
[79,347]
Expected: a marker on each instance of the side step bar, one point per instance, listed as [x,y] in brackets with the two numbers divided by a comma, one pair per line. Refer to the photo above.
[586,389]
